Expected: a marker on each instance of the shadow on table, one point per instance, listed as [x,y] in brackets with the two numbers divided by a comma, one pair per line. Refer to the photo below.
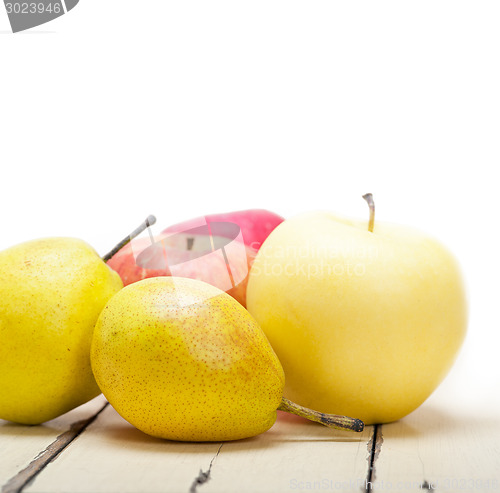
[430,420]
[55,426]
[8,428]
[132,438]
[288,428]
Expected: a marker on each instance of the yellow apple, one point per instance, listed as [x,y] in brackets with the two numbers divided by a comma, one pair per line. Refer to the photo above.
[365,323]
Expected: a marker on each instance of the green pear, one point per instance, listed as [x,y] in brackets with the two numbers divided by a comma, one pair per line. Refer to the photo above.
[51,294]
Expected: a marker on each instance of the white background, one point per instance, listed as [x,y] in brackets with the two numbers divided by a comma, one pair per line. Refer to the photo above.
[120,109]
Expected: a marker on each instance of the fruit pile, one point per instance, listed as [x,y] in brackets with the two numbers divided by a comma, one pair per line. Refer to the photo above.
[363,320]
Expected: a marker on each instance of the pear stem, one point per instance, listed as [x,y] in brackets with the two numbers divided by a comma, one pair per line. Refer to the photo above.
[330,420]
[371,204]
[149,221]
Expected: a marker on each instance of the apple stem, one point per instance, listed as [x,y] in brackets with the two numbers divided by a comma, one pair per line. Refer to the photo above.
[189,242]
[331,420]
[371,204]
[149,221]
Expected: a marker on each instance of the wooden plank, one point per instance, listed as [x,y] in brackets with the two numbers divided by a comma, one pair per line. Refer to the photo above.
[442,447]
[295,455]
[112,456]
[20,444]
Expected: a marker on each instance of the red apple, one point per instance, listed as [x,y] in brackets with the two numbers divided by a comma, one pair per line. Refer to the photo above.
[218,249]
[255,224]
[195,254]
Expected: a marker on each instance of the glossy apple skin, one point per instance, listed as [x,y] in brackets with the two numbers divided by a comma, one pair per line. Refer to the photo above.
[365,324]
[255,224]
[141,260]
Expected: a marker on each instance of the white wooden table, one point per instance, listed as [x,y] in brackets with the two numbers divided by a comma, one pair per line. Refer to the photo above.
[93,450]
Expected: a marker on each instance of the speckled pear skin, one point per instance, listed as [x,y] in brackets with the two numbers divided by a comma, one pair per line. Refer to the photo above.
[182,360]
[52,291]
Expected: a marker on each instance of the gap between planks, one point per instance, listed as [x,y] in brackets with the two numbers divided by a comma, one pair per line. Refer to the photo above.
[46,456]
[374,447]
[203,477]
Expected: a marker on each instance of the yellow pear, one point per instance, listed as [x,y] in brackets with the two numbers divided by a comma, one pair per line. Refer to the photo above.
[183,360]
[51,293]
